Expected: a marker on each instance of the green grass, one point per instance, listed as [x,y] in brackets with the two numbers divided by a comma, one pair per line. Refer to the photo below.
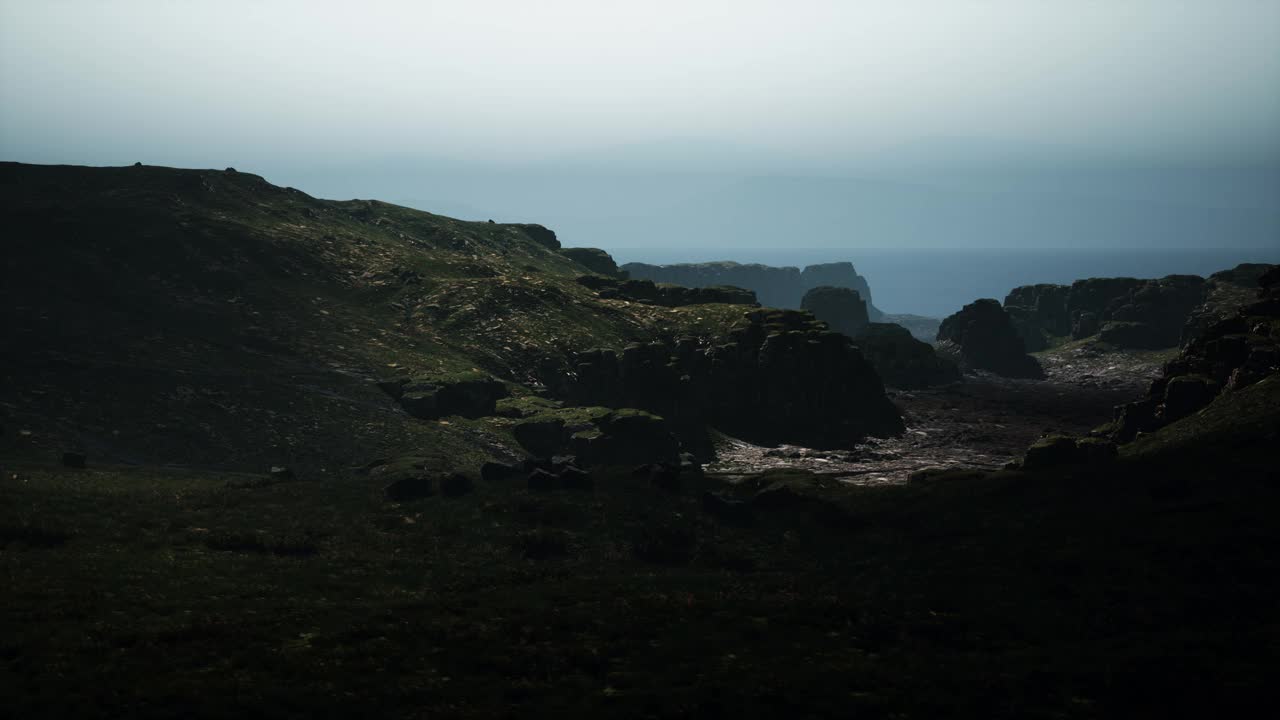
[1004,594]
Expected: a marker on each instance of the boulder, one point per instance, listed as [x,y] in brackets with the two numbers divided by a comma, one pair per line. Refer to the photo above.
[983,338]
[842,309]
[627,437]
[542,436]
[470,394]
[74,460]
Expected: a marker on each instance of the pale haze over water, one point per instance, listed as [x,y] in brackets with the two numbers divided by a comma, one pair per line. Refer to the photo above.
[722,125]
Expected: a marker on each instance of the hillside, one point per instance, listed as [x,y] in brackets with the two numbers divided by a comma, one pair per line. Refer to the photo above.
[209,318]
[269,455]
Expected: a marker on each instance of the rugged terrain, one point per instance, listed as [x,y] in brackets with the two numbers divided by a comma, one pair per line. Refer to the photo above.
[268,454]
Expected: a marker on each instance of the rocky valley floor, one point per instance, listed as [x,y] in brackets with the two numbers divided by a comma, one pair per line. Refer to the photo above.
[981,422]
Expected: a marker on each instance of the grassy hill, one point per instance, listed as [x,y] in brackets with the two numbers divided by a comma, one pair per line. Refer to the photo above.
[209,318]
[191,328]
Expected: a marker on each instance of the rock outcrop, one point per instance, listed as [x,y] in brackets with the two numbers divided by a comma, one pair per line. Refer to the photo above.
[781,377]
[595,260]
[842,309]
[780,287]
[428,397]
[651,293]
[1227,292]
[1140,313]
[901,360]
[1229,355]
[982,337]
[597,436]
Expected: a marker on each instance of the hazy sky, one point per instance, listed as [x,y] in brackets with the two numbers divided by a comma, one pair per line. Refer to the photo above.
[425,100]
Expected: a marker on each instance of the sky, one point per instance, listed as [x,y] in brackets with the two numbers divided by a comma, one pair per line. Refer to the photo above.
[904,123]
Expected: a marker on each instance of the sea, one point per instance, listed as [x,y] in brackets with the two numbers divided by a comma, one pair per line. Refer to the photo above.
[938,282]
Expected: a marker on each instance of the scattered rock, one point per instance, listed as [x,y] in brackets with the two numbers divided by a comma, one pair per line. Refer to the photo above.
[280,473]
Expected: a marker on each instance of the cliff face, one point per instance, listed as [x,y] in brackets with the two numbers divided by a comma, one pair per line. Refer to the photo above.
[1128,312]
[1228,356]
[779,376]
[781,287]
[841,308]
[981,337]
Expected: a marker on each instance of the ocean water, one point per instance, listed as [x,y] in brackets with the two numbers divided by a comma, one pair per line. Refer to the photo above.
[938,282]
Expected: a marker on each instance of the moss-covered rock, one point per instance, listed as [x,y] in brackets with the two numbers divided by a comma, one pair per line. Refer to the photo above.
[469,394]
[1058,450]
[600,436]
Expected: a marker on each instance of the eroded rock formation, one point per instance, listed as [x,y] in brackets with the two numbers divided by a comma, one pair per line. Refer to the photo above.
[1131,313]
[1231,354]
[780,287]
[903,361]
[842,309]
[782,377]
[982,337]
